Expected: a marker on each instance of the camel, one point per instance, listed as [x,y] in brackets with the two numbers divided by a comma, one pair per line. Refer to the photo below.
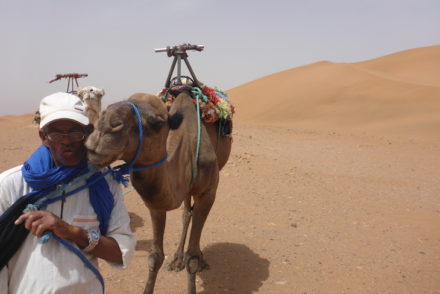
[166,187]
[37,118]
[92,97]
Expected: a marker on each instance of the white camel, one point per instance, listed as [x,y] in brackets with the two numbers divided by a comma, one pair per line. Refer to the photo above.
[92,97]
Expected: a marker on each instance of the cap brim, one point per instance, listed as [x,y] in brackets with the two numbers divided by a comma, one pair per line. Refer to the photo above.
[64,115]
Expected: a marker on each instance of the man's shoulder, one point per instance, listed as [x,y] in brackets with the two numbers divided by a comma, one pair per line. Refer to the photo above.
[11,174]
[12,186]
[114,185]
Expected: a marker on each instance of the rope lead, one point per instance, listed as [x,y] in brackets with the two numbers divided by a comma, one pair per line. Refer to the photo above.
[198,94]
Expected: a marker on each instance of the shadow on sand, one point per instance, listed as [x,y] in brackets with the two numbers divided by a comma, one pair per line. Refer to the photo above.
[234,269]
[135,221]
[144,245]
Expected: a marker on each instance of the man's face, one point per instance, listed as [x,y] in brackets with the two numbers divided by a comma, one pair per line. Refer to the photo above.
[65,140]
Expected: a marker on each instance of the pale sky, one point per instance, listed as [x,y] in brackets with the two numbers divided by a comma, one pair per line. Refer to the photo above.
[114,41]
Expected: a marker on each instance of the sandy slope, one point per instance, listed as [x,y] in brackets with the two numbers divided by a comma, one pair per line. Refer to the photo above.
[418,66]
[320,197]
[384,95]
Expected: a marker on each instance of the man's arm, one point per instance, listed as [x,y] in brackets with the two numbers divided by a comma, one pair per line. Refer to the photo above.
[37,222]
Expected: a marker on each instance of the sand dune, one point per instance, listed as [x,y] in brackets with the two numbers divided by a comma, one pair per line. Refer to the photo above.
[396,94]
[419,66]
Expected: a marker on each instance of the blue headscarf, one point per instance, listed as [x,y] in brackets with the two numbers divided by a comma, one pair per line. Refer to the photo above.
[42,176]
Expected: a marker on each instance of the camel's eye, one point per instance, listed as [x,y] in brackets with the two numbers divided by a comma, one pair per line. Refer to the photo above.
[116,125]
[155,123]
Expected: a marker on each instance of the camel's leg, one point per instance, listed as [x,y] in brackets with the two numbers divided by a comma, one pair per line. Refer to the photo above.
[194,258]
[157,256]
[177,264]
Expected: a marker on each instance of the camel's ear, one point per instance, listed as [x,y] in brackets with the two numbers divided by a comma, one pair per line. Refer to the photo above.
[175,120]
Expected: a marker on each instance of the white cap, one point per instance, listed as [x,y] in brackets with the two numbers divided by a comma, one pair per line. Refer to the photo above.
[62,106]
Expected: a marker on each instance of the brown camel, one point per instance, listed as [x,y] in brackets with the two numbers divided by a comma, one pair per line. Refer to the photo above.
[165,187]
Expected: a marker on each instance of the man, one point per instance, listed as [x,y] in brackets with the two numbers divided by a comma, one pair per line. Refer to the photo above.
[51,267]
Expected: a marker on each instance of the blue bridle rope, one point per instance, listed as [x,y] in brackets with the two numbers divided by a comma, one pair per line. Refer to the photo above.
[122,170]
[119,174]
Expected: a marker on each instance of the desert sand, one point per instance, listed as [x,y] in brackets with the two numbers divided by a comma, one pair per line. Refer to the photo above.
[332,185]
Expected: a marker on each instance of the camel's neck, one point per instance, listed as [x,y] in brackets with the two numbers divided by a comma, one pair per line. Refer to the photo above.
[166,186]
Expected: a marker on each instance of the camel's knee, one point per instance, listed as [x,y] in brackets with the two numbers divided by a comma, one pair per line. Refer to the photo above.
[155,261]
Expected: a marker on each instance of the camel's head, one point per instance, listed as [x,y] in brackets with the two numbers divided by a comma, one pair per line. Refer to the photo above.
[116,134]
[92,96]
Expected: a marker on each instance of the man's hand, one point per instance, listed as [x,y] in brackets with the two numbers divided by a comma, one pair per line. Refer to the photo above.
[37,222]
[40,221]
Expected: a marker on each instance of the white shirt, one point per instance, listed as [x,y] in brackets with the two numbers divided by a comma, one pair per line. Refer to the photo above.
[51,267]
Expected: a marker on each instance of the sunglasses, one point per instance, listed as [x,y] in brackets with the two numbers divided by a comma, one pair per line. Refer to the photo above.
[75,136]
